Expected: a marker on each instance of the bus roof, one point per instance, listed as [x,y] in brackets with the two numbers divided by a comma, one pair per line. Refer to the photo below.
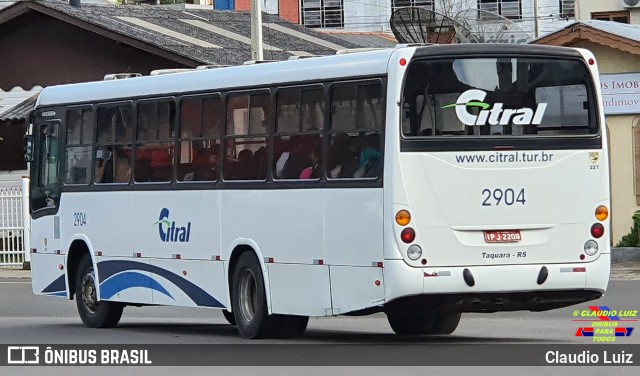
[317,68]
[340,66]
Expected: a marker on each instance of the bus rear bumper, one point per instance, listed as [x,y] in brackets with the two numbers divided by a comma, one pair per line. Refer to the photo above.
[497,287]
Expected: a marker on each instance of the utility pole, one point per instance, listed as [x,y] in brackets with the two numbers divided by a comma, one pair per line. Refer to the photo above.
[536,18]
[256,30]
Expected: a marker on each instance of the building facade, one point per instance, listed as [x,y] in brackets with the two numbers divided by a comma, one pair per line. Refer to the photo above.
[624,11]
[617,50]
[374,15]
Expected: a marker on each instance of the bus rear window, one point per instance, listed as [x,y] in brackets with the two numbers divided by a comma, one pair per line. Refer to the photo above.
[501,97]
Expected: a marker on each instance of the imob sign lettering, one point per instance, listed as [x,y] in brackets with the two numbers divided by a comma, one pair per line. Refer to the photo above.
[169,231]
[494,115]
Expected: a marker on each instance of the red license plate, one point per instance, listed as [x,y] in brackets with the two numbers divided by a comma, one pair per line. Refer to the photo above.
[508,236]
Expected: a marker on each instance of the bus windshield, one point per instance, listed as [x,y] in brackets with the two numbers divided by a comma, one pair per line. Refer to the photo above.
[500,97]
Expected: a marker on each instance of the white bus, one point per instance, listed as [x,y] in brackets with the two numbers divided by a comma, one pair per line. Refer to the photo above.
[420,181]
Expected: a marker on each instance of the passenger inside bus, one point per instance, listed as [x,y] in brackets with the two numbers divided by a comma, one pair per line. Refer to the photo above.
[207,165]
[313,171]
[342,160]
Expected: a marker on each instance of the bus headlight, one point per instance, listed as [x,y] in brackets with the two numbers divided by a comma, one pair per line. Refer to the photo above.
[414,252]
[591,247]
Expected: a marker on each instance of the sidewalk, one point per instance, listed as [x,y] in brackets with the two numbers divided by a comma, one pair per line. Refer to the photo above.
[6,273]
[626,271]
[622,271]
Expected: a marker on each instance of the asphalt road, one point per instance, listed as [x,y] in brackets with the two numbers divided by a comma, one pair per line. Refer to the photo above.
[29,319]
[26,318]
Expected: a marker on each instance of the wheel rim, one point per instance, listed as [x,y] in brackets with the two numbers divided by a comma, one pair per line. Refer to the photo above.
[88,292]
[248,295]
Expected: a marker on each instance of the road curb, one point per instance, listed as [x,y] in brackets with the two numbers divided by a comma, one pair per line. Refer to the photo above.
[625,254]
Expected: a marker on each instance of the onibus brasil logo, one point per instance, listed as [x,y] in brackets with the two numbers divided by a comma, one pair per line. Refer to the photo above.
[169,231]
[605,323]
[494,115]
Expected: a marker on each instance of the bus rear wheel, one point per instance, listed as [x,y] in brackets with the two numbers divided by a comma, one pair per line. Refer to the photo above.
[249,304]
[445,322]
[94,313]
[248,299]
[423,322]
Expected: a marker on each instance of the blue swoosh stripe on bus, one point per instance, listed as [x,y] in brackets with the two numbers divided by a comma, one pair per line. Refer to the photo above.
[58,293]
[56,286]
[200,297]
[127,280]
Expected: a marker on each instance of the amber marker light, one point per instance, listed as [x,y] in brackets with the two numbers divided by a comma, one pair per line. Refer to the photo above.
[403,217]
[602,213]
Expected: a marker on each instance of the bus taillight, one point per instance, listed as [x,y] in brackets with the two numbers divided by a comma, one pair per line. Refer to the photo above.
[597,230]
[408,235]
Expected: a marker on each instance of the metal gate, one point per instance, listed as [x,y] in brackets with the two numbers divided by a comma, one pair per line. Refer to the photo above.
[13,213]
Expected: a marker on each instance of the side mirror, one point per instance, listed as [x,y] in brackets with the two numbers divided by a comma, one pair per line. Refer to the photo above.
[28,148]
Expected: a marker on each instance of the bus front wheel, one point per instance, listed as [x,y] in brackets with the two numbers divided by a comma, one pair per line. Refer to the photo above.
[94,313]
[229,317]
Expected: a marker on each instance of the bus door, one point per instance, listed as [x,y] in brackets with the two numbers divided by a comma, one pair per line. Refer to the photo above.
[45,188]
[44,202]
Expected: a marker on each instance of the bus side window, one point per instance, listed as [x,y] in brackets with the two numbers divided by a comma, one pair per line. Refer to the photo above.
[154,142]
[201,126]
[246,137]
[298,139]
[114,134]
[357,120]
[78,151]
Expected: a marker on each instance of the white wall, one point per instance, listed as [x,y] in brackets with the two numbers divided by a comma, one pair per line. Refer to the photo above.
[370,15]
[13,176]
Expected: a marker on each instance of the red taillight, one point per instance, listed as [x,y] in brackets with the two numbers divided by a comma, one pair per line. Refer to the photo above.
[408,235]
[597,230]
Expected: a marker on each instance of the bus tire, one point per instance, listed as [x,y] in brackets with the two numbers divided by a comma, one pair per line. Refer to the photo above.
[229,317]
[94,313]
[445,322]
[249,300]
[293,326]
[410,323]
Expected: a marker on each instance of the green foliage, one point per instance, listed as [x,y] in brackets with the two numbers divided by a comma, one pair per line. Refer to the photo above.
[632,239]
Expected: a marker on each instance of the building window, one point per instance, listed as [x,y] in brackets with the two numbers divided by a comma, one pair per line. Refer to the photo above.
[399,4]
[567,8]
[511,9]
[619,16]
[322,13]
